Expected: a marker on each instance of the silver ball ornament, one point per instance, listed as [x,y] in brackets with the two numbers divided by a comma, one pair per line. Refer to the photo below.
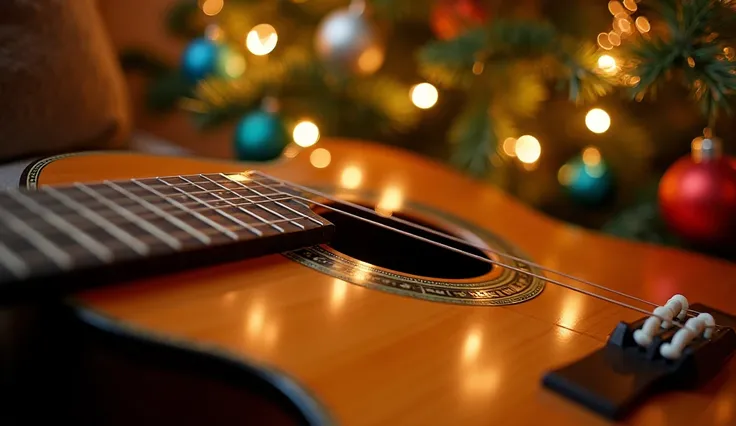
[347,41]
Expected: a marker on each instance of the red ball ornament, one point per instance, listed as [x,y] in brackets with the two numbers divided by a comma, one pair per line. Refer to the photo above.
[450,18]
[697,195]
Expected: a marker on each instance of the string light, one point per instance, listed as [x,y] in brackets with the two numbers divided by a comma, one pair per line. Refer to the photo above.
[232,64]
[528,150]
[607,63]
[591,156]
[424,95]
[213,32]
[597,120]
[320,158]
[509,147]
[212,7]
[351,177]
[642,24]
[262,39]
[306,133]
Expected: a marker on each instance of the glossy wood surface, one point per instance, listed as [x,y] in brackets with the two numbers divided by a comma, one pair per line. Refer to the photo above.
[378,359]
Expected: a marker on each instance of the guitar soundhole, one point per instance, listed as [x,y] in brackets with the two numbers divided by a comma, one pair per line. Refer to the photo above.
[389,249]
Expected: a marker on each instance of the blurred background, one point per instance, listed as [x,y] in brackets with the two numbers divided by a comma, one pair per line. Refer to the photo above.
[584,110]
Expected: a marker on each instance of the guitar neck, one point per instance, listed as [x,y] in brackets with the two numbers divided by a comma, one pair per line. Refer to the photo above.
[63,238]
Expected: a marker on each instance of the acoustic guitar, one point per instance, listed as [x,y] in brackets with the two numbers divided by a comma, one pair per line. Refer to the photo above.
[349,284]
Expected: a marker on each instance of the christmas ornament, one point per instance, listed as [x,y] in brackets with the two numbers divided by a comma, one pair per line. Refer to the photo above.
[204,58]
[697,195]
[199,59]
[451,18]
[347,41]
[586,178]
[260,136]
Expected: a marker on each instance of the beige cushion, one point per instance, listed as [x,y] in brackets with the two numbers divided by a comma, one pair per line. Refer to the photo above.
[61,86]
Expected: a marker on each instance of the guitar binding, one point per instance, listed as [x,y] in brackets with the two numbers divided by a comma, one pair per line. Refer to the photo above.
[622,375]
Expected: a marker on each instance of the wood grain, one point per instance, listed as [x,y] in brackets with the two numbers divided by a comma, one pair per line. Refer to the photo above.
[373,358]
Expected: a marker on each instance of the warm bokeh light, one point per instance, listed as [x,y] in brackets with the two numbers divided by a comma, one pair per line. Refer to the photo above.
[607,63]
[262,39]
[528,150]
[424,95]
[472,345]
[604,42]
[509,147]
[615,7]
[371,60]
[591,156]
[213,32]
[351,177]
[631,5]
[306,133]
[565,175]
[212,7]
[339,293]
[291,151]
[233,64]
[238,177]
[597,120]
[320,158]
[642,24]
[391,200]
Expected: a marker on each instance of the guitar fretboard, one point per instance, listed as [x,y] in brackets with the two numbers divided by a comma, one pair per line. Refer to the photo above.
[80,227]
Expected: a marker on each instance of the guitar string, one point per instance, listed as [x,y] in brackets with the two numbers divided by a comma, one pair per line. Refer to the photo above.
[483,259]
[462,252]
[282,183]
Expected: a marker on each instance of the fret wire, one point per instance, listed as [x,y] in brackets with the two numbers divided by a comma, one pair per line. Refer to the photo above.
[276,227]
[85,240]
[227,180]
[227,215]
[259,205]
[177,234]
[15,264]
[134,243]
[204,219]
[255,225]
[316,193]
[43,244]
[278,192]
[153,229]
[175,221]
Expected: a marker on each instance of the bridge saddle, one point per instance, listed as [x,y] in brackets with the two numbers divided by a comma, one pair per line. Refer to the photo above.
[648,356]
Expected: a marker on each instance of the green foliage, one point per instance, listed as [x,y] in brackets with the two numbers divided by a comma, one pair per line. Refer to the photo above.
[474,138]
[692,51]
[508,62]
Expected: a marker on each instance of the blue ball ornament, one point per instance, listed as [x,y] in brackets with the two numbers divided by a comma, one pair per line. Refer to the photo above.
[586,183]
[200,59]
[260,136]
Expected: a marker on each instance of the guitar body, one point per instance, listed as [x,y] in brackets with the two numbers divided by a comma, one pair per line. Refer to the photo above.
[415,336]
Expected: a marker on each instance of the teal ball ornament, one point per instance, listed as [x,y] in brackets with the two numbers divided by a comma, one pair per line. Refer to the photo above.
[260,136]
[200,59]
[588,184]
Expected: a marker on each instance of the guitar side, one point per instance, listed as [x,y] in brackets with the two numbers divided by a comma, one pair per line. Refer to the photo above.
[375,357]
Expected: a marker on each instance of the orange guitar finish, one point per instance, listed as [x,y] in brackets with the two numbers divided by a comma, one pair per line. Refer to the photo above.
[373,358]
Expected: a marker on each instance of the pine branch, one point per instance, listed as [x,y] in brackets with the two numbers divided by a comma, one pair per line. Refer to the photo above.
[450,62]
[505,42]
[473,138]
[385,102]
[692,50]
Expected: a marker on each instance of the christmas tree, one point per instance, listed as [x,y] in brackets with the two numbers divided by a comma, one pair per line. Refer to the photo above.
[576,108]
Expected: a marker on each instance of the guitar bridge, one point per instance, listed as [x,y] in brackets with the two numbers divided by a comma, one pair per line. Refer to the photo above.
[617,378]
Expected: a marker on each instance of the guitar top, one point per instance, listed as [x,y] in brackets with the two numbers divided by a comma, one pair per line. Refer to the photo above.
[263,264]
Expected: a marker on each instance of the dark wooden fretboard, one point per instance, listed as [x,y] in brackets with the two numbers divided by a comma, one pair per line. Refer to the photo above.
[59,239]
